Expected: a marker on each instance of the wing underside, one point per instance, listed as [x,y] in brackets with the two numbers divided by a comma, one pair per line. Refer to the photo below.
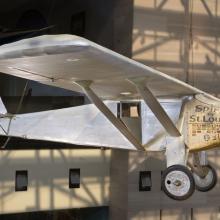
[63,60]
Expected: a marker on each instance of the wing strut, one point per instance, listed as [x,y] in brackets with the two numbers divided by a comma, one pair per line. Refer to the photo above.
[155,106]
[111,117]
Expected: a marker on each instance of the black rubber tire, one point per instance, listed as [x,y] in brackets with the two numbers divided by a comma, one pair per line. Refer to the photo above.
[212,184]
[187,172]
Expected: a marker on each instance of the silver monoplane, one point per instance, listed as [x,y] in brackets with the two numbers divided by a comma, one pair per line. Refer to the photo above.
[176,118]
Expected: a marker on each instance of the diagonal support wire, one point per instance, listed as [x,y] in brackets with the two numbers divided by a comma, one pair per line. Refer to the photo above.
[16,112]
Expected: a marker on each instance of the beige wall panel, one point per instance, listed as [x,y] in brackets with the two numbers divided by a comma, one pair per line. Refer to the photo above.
[145,215]
[141,48]
[167,56]
[144,3]
[206,213]
[192,44]
[172,46]
[176,214]
[173,5]
[200,7]
[141,205]
[48,179]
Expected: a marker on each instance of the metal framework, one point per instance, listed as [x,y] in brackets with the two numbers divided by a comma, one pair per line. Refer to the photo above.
[189,30]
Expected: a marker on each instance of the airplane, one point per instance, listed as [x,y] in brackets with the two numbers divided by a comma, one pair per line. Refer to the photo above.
[109,79]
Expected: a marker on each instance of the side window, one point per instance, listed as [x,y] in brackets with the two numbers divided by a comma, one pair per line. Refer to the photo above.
[145,182]
[129,109]
[74,178]
[21,180]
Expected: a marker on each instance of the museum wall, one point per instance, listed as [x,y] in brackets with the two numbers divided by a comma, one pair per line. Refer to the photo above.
[48,179]
[108,23]
[180,38]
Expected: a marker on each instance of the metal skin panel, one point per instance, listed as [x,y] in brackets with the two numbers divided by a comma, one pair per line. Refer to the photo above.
[84,125]
[201,129]
[62,60]
[202,123]
[156,108]
[154,137]
[87,126]
[3,110]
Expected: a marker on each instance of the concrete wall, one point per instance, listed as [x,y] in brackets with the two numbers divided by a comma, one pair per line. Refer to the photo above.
[127,202]
[48,177]
[180,38]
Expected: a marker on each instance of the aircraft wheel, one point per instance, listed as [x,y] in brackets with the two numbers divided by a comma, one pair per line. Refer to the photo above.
[178,182]
[208,182]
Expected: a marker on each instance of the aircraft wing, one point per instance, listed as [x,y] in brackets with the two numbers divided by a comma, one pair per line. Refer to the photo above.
[62,60]
[77,64]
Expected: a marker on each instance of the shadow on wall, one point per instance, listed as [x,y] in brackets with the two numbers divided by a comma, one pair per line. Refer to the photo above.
[48,179]
[180,38]
[154,204]
[100,213]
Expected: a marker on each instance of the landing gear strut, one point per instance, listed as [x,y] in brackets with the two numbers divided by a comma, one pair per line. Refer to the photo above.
[204,175]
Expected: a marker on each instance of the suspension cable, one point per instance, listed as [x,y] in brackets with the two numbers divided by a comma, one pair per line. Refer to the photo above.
[16,112]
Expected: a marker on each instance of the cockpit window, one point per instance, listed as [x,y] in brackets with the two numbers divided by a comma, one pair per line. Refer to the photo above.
[129,109]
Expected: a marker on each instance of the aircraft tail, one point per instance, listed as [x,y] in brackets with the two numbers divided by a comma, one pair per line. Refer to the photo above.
[3,110]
